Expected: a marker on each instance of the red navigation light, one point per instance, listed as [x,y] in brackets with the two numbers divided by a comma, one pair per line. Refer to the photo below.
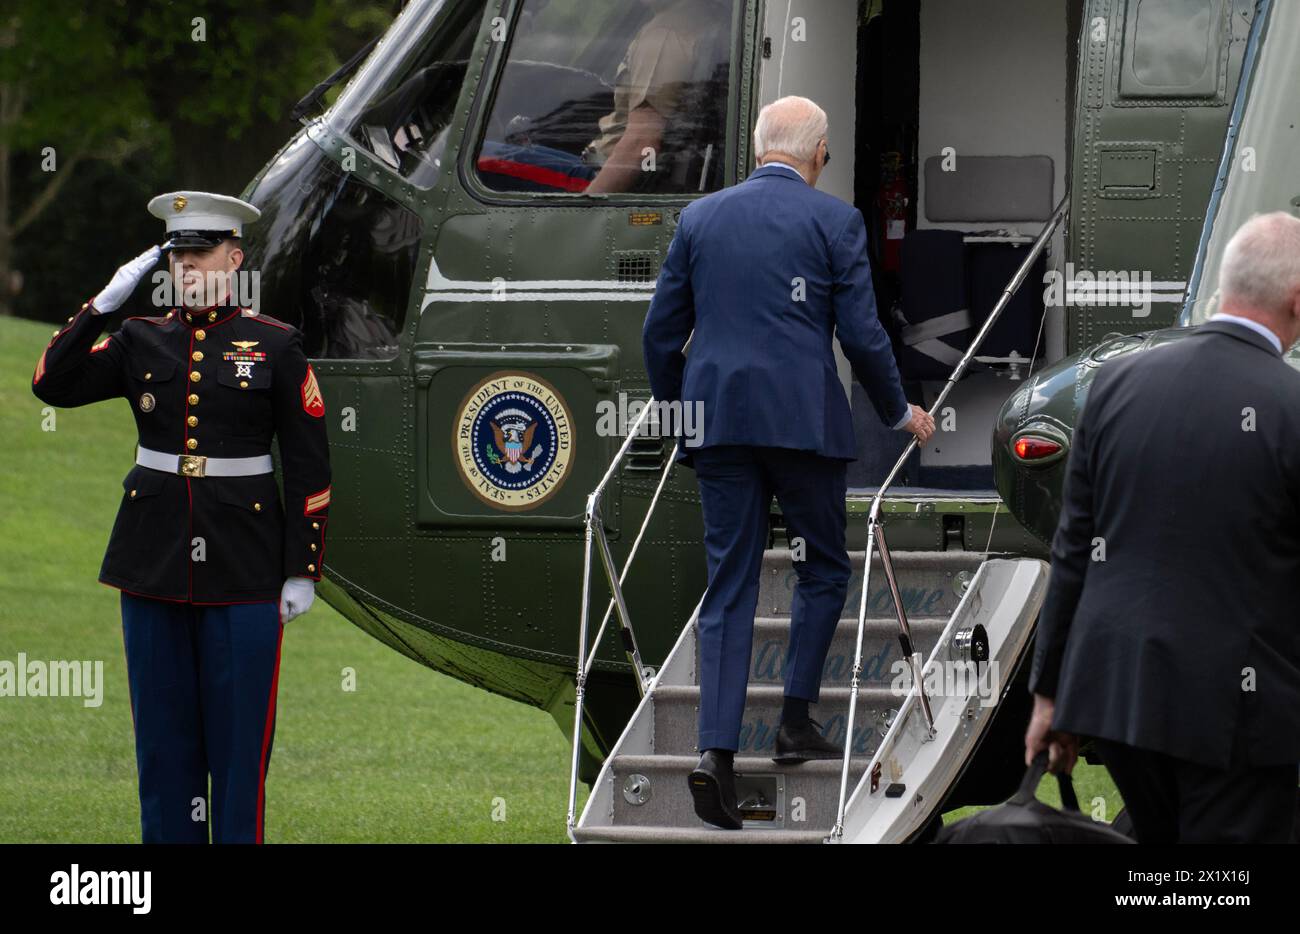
[1029,448]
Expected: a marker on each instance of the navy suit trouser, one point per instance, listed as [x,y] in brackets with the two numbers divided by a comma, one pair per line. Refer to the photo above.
[736,488]
[203,685]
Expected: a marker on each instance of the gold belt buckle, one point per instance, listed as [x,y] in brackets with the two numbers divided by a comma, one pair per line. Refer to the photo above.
[192,465]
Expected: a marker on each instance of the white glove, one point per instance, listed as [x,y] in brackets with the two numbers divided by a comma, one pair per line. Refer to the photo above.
[124,281]
[296,597]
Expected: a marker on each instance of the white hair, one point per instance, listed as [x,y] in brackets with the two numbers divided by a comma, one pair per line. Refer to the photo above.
[1261,263]
[791,125]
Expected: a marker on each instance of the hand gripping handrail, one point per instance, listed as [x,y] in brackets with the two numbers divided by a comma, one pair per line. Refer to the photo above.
[875,530]
[595,531]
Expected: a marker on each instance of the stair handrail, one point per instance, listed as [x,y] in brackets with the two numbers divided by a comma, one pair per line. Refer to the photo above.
[875,530]
[595,532]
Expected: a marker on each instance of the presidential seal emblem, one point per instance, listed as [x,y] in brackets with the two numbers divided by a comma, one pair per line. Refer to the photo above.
[513,440]
[146,402]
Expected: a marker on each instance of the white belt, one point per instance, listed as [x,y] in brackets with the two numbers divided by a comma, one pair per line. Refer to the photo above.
[196,465]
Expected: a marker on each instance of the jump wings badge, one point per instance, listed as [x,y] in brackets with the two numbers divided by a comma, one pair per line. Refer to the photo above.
[513,441]
[244,357]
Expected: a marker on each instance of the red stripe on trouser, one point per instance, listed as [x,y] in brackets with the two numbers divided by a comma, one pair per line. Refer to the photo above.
[126,666]
[266,733]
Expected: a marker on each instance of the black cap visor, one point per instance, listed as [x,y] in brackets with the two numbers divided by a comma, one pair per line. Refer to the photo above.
[194,239]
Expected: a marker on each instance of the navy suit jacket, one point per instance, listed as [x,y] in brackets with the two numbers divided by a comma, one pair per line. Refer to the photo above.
[765,272]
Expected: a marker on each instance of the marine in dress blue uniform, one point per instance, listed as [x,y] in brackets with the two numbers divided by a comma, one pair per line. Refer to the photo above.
[209,560]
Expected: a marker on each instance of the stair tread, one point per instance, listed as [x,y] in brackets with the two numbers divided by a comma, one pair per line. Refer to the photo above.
[851,622]
[701,834]
[907,558]
[762,691]
[742,764]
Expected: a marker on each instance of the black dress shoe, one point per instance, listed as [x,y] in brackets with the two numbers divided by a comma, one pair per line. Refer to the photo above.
[713,786]
[800,742]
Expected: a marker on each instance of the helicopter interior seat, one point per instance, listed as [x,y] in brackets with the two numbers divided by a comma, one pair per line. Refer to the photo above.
[544,116]
[952,276]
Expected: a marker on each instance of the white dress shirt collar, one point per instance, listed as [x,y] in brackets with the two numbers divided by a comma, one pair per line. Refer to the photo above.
[1253,325]
[783,165]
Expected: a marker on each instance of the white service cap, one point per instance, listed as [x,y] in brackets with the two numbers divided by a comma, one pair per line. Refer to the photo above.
[200,218]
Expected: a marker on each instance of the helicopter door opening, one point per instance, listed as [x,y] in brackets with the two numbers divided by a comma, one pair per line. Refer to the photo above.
[954,120]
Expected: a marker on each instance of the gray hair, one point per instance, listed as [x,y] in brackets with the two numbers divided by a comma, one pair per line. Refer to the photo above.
[791,125]
[1261,263]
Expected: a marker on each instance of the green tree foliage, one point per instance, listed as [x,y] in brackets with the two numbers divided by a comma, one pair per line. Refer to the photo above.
[107,102]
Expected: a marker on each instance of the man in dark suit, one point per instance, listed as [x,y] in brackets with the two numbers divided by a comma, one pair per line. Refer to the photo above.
[764,272]
[1169,631]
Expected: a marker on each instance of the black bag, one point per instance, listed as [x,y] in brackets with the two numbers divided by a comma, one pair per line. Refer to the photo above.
[1025,819]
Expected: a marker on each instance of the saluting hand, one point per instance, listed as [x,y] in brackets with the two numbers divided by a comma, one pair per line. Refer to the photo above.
[124,281]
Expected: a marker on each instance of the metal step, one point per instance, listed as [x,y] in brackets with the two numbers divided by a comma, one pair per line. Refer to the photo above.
[677,720]
[880,649]
[652,790]
[704,834]
[930,582]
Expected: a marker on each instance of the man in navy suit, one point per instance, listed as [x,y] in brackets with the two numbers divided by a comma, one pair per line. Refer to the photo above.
[764,272]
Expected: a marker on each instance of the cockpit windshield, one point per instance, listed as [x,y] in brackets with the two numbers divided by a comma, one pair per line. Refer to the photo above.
[605,96]
[399,107]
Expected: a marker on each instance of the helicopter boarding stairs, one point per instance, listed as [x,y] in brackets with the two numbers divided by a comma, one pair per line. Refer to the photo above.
[908,730]
[899,775]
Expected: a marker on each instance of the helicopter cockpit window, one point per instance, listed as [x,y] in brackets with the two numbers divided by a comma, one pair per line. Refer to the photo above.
[600,96]
[401,108]
[336,257]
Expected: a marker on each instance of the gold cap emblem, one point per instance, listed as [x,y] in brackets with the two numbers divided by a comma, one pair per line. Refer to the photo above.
[178,203]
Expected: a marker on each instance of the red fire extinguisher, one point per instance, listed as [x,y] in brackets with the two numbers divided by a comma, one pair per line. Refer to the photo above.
[891,202]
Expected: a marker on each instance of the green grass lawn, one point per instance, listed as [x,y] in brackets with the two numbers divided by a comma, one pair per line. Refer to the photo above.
[410,756]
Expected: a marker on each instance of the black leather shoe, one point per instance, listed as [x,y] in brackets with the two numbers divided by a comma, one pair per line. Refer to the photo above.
[713,786]
[803,741]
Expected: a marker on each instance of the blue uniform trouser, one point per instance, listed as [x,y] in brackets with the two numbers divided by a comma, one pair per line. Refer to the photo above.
[736,488]
[203,685]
